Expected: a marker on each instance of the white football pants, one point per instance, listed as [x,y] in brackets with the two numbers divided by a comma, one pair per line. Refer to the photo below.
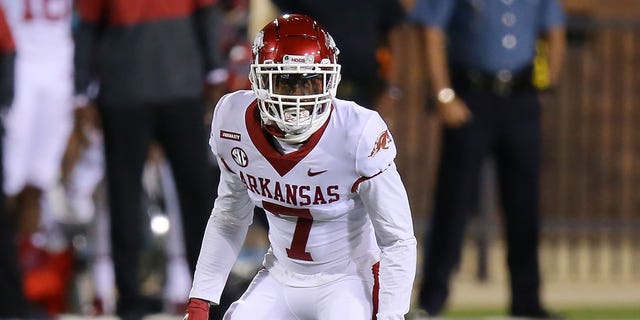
[268,299]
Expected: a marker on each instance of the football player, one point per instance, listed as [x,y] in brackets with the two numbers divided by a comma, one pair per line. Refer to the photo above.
[341,236]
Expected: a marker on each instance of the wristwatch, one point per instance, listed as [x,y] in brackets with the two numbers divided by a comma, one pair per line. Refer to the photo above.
[446,95]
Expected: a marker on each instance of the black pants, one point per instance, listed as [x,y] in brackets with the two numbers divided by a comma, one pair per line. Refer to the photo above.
[128,132]
[12,301]
[508,127]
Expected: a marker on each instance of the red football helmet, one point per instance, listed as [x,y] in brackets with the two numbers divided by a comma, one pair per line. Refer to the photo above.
[295,74]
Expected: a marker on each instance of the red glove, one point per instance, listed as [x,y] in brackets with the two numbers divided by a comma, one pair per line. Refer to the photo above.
[197,309]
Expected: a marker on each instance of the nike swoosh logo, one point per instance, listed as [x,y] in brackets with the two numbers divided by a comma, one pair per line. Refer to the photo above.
[315,173]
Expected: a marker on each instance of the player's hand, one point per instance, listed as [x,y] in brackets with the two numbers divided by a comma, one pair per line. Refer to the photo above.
[455,113]
[197,309]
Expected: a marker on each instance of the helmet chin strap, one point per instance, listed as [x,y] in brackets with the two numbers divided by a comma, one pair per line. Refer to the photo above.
[296,138]
[293,138]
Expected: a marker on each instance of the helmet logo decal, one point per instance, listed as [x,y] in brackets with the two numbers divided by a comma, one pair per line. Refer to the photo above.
[382,143]
[331,44]
[258,42]
[289,58]
[240,157]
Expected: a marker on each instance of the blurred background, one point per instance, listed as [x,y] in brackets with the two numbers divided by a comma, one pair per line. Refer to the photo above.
[590,195]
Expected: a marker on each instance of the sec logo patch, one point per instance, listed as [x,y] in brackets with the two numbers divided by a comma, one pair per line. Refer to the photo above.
[240,157]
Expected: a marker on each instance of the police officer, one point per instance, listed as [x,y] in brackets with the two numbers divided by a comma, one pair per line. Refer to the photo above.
[480,56]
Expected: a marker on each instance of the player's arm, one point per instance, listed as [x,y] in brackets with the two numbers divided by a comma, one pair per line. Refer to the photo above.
[434,16]
[385,198]
[224,235]
[207,18]
[7,62]
[556,38]
[92,17]
[555,33]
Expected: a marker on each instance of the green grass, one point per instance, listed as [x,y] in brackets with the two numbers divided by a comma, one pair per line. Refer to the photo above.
[570,313]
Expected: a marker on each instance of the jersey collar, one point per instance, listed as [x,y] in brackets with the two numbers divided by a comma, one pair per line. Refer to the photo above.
[282,163]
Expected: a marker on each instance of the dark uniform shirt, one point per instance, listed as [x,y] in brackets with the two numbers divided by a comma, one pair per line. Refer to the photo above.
[479,41]
[145,51]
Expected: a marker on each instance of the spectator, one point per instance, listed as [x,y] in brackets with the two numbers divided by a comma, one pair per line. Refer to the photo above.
[150,60]
[12,301]
[480,56]
[323,170]
[361,28]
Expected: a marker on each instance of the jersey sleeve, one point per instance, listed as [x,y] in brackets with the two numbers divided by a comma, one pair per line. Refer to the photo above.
[227,227]
[224,235]
[207,18]
[551,15]
[387,203]
[87,34]
[433,13]
[376,149]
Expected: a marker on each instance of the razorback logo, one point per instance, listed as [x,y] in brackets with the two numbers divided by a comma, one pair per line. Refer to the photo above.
[382,143]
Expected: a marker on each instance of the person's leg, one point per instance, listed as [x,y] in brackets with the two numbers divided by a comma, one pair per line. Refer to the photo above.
[102,271]
[518,156]
[462,152]
[27,211]
[184,139]
[127,135]
[178,276]
[12,301]
[264,299]
[354,297]
[22,130]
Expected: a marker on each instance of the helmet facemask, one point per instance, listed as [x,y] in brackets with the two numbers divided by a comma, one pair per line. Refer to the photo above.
[295,95]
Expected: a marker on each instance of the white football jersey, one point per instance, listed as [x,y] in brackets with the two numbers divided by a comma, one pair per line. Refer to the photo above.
[320,227]
[317,223]
[41,28]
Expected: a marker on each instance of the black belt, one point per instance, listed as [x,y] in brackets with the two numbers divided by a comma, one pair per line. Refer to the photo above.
[502,83]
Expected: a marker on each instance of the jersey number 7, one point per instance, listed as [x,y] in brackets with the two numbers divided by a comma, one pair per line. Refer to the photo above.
[301,233]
